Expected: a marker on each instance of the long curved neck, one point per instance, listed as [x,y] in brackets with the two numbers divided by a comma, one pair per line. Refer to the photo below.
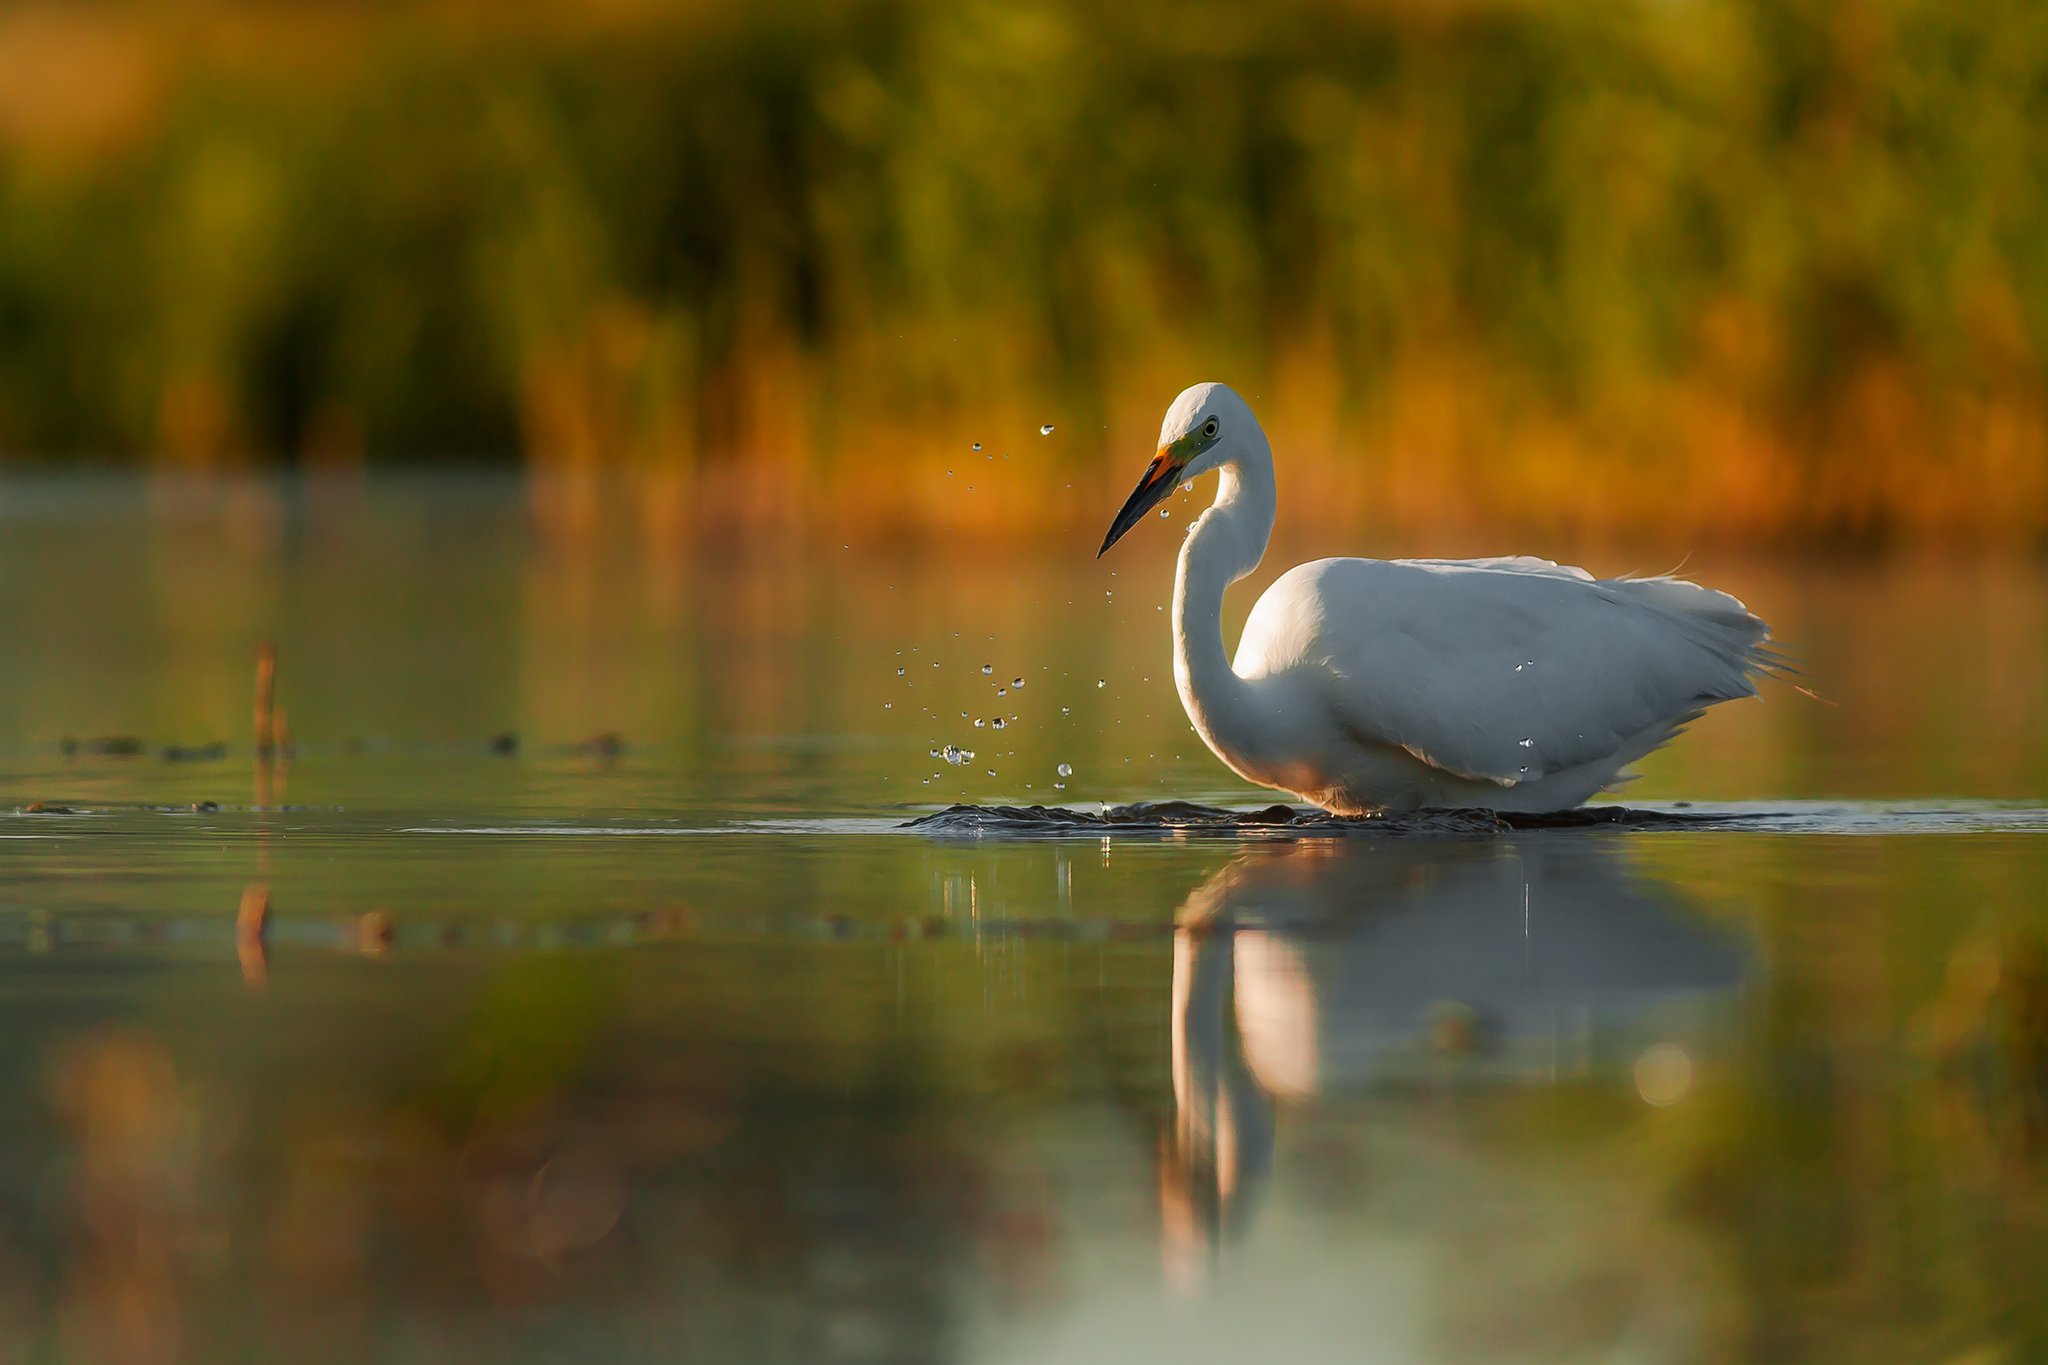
[1223,1121]
[1225,543]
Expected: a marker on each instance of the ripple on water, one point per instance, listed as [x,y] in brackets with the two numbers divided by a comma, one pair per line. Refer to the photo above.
[1187,818]
[1175,819]
[1182,818]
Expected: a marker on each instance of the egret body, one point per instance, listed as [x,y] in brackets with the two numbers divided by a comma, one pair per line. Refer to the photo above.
[1369,685]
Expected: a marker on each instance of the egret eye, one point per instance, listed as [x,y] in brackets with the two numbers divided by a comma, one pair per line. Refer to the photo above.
[1209,428]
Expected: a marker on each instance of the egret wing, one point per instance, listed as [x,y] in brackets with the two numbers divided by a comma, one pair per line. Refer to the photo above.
[1504,669]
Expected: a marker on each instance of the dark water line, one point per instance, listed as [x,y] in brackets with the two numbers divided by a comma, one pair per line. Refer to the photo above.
[1180,819]
[1280,821]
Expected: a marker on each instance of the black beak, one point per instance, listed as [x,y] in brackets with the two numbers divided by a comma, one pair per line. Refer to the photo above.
[1150,492]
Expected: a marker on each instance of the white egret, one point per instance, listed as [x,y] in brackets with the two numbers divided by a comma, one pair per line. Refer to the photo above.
[1369,685]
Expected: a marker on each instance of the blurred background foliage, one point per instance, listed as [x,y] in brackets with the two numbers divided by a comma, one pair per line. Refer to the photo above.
[1760,269]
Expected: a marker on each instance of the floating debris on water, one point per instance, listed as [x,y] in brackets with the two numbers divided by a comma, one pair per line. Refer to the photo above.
[195,753]
[108,746]
[375,933]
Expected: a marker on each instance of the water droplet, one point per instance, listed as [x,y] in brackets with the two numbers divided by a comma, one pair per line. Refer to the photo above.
[899,672]
[987,669]
[1066,770]
[979,722]
[991,772]
[1164,514]
[1100,684]
[1002,691]
[1066,711]
[1188,487]
[1016,682]
[1045,430]
[1526,743]
[977,445]
[998,722]
[935,753]
[1061,786]
[935,664]
[888,706]
[952,755]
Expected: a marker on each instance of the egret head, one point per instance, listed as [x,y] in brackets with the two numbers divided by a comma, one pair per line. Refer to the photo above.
[1207,427]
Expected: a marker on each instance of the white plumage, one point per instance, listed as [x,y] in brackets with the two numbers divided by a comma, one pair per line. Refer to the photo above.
[1385,685]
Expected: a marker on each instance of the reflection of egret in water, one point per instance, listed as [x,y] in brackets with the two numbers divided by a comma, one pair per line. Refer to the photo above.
[1314,968]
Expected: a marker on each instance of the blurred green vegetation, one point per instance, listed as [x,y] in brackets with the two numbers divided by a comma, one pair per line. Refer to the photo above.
[1749,267]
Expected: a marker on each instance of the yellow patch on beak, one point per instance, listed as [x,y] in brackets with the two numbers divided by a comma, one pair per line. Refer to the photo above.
[1160,476]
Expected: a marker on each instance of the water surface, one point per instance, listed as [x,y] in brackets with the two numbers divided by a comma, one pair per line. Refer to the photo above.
[582,985]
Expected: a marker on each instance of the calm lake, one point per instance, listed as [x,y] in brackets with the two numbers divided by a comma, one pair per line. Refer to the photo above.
[573,988]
